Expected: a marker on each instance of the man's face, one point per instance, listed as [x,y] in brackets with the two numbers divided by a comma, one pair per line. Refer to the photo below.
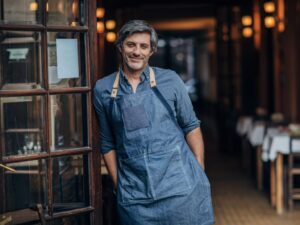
[136,51]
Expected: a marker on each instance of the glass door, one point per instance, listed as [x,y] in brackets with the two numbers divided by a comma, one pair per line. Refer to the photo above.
[45,109]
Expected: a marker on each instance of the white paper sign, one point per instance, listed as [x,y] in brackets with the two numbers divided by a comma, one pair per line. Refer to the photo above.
[17,53]
[67,58]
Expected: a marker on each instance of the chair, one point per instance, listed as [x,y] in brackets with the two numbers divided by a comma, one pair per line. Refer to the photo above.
[293,171]
[33,215]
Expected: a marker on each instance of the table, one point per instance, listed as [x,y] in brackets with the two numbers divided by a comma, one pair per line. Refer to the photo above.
[269,144]
[275,146]
[281,144]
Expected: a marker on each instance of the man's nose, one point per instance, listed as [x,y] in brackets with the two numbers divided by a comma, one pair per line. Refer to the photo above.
[137,50]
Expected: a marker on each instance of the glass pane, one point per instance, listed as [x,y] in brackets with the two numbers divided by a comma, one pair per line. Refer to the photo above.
[25,187]
[20,12]
[68,121]
[20,60]
[66,59]
[22,125]
[76,220]
[70,182]
[66,12]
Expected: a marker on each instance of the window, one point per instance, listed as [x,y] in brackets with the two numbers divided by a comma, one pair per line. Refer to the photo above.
[45,99]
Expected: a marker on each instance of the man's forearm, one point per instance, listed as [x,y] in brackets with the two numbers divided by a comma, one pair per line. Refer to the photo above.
[110,159]
[195,141]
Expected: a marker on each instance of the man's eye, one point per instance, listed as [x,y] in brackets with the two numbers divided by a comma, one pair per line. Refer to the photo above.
[130,44]
[144,46]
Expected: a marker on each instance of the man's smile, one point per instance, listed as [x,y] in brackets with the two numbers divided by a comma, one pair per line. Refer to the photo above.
[135,59]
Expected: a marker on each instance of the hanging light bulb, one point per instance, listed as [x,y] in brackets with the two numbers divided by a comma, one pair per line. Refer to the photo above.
[270,21]
[247,20]
[247,32]
[269,7]
[100,12]
[100,27]
[111,36]
[110,24]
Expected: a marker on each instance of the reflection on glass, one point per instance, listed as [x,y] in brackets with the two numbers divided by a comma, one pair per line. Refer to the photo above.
[20,60]
[20,12]
[70,182]
[66,12]
[21,125]
[68,121]
[76,220]
[66,59]
[25,187]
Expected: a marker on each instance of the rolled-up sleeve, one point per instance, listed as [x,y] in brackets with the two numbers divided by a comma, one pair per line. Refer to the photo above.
[185,114]
[107,142]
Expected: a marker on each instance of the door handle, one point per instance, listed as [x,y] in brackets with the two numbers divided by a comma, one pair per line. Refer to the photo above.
[7,168]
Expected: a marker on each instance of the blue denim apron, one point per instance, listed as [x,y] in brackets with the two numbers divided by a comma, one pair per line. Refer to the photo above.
[159,180]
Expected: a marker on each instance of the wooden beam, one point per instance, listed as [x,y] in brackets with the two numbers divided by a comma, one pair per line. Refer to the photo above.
[279,184]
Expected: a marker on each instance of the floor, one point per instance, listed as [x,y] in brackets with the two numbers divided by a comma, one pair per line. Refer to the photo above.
[235,197]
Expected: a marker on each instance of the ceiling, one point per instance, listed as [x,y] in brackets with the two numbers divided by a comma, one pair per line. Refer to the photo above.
[168,14]
[160,10]
[141,3]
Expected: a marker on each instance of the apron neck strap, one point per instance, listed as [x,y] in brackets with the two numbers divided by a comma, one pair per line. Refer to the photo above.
[115,88]
[152,78]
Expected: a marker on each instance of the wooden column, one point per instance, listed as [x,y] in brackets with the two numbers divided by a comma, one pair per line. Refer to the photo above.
[279,184]
[95,167]
[292,67]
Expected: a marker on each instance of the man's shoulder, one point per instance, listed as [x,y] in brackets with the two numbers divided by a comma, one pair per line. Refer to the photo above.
[166,75]
[162,71]
[106,82]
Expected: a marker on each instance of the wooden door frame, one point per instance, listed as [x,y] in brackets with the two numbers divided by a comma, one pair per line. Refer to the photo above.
[95,66]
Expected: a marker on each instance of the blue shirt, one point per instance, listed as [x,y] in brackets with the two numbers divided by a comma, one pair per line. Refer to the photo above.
[169,84]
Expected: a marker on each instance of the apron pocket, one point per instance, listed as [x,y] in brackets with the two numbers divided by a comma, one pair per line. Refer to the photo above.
[167,174]
[135,118]
[133,180]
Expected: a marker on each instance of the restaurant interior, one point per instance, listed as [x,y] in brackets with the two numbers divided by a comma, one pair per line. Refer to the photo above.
[238,62]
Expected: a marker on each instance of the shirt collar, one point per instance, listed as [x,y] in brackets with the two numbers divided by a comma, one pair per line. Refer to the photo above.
[144,76]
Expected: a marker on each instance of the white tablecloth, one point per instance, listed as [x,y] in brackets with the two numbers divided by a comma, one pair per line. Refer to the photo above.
[270,133]
[243,125]
[256,134]
[280,143]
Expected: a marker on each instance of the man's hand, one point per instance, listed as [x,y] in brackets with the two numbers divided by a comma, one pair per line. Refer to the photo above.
[195,141]
[110,160]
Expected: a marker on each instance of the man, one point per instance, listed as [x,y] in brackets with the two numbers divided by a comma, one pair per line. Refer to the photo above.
[150,138]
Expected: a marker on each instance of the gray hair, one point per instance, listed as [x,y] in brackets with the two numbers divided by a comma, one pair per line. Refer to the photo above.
[137,26]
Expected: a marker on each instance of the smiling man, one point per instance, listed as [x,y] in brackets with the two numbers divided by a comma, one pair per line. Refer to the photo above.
[150,138]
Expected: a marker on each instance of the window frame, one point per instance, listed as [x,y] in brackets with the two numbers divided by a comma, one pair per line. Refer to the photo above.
[89,29]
